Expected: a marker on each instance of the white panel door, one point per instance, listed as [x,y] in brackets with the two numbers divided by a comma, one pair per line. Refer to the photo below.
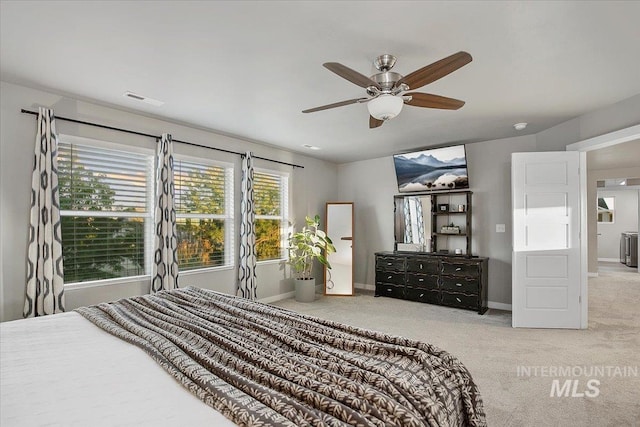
[339,279]
[546,240]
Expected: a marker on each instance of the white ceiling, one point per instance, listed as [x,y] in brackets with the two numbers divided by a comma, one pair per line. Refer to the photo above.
[249,68]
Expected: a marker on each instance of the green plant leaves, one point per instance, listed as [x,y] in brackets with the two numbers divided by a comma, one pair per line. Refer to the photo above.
[309,244]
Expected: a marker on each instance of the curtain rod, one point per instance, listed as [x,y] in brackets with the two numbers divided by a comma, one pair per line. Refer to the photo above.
[66,119]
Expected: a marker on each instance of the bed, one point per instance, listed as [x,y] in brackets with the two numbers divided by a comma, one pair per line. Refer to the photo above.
[197,357]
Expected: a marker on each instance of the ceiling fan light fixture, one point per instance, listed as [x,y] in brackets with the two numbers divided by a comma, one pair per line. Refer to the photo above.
[385,107]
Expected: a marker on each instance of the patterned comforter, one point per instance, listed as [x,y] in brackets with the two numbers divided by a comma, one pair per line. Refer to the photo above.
[261,365]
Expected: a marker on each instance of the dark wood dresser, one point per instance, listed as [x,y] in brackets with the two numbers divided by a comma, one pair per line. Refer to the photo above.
[453,281]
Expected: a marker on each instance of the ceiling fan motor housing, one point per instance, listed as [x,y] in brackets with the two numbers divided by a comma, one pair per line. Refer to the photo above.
[386,80]
[384,62]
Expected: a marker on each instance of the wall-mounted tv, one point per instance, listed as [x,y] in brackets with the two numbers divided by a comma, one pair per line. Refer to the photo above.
[432,169]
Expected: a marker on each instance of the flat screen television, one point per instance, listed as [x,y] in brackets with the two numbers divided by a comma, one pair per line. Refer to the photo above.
[432,169]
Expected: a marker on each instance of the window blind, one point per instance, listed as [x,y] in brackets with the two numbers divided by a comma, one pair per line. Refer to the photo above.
[204,207]
[270,197]
[105,202]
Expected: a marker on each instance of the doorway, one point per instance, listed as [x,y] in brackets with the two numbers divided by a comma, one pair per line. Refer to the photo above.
[601,161]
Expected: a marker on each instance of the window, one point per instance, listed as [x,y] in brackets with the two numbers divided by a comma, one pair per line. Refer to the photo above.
[606,209]
[271,197]
[105,209]
[204,207]
[107,203]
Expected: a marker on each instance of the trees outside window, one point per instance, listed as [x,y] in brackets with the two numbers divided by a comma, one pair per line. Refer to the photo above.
[107,200]
[105,212]
[270,197]
[204,206]
[107,203]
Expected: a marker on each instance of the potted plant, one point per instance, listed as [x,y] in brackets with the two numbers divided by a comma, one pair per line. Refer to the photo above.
[305,246]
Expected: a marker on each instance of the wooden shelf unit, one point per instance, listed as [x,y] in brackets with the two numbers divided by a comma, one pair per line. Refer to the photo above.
[439,218]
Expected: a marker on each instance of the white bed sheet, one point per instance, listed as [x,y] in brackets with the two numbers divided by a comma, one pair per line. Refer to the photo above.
[62,370]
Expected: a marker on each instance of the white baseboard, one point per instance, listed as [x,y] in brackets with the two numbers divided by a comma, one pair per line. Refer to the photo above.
[364,286]
[278,297]
[590,274]
[499,306]
[609,259]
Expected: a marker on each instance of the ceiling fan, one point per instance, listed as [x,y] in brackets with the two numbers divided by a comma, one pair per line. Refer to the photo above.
[387,90]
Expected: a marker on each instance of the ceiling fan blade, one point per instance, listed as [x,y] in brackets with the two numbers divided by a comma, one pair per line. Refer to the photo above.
[374,123]
[433,101]
[435,71]
[334,105]
[351,75]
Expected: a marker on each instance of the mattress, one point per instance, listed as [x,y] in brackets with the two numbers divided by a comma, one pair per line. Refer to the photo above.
[61,370]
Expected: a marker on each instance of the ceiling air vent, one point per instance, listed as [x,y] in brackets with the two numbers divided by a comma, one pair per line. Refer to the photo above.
[141,98]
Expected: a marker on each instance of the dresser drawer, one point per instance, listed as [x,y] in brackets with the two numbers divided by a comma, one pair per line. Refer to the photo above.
[387,290]
[389,263]
[453,299]
[461,269]
[427,281]
[422,295]
[391,277]
[423,266]
[468,285]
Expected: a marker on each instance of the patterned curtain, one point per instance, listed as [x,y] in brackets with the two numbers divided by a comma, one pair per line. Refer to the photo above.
[165,258]
[414,221]
[45,278]
[247,285]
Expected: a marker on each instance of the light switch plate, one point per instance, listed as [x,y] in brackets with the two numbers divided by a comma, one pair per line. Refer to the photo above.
[500,228]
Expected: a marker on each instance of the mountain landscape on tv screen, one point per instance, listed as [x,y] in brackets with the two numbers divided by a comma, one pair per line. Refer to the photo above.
[424,171]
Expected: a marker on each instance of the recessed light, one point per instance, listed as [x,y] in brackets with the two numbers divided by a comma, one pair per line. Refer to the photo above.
[311,147]
[142,98]
[520,126]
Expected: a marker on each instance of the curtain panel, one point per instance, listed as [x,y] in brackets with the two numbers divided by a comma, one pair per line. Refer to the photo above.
[164,274]
[45,278]
[247,283]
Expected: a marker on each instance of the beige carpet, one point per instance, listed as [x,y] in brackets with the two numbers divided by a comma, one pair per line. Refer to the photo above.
[493,351]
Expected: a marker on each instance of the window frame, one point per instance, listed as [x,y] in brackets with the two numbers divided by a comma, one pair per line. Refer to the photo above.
[148,216]
[284,213]
[228,216]
[611,209]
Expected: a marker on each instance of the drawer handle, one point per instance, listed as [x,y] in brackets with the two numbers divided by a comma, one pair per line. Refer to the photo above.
[389,277]
[459,268]
[389,289]
[389,263]
[458,299]
[420,280]
[421,295]
[458,284]
[420,266]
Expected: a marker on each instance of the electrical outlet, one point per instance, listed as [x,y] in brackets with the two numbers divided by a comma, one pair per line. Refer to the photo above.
[500,228]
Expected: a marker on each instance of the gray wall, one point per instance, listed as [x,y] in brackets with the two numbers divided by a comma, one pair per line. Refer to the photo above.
[310,187]
[371,184]
[617,116]
[625,219]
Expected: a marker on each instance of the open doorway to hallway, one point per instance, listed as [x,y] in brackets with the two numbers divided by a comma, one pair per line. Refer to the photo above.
[617,224]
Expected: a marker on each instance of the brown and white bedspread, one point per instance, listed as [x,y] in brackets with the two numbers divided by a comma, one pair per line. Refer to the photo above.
[263,366]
